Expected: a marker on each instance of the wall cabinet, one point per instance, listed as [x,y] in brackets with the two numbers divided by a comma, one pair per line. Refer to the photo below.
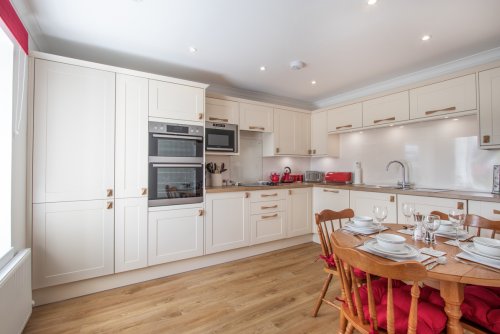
[319,134]
[328,198]
[176,102]
[254,117]
[362,202]
[131,149]
[387,109]
[131,234]
[302,133]
[489,108]
[222,111]
[425,205]
[443,98]
[345,118]
[74,122]
[291,134]
[227,224]
[488,210]
[72,241]
[175,234]
[299,203]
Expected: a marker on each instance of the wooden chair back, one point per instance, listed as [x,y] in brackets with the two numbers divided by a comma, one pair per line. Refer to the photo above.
[441,215]
[325,223]
[349,258]
[482,223]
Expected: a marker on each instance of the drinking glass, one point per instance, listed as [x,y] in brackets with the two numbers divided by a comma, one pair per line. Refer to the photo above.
[431,225]
[457,217]
[408,211]
[380,213]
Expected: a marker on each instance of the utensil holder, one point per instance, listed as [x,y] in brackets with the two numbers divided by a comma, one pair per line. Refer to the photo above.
[216,180]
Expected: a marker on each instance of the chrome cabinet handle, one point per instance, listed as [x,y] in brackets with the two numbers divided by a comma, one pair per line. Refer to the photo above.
[271,216]
[330,191]
[109,206]
[251,127]
[218,119]
[200,212]
[496,212]
[268,207]
[200,116]
[460,205]
[486,139]
[344,126]
[109,192]
[269,195]
[430,112]
[393,118]
[144,191]
[277,150]
[247,195]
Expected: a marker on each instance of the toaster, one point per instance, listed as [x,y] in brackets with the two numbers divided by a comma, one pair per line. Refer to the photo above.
[338,177]
[313,176]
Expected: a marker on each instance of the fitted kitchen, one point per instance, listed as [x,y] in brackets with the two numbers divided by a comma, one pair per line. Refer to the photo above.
[160,200]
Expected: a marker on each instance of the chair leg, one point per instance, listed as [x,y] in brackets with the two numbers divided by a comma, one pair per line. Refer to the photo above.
[326,284]
[342,323]
[350,329]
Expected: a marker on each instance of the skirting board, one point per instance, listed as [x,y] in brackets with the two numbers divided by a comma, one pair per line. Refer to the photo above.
[81,288]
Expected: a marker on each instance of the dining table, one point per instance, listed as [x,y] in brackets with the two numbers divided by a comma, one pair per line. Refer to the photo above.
[450,278]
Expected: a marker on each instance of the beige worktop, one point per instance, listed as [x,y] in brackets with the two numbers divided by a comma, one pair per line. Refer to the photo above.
[453,194]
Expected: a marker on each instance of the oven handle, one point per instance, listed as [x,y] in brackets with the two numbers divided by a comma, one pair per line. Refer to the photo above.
[176,165]
[155,135]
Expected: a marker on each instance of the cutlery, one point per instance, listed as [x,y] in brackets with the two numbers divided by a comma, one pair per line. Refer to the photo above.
[477,264]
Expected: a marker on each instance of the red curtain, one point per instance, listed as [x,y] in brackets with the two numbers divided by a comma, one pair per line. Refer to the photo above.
[12,21]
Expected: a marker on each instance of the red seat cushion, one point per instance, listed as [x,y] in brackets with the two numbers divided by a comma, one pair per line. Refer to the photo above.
[330,262]
[482,306]
[431,317]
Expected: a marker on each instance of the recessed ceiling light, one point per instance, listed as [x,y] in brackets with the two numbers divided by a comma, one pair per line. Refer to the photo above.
[426,37]
[313,82]
[262,68]
[445,117]
[192,49]
[372,2]
[391,124]
[455,119]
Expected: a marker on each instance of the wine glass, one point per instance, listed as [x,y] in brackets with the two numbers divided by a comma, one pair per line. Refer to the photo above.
[457,217]
[380,213]
[431,225]
[408,211]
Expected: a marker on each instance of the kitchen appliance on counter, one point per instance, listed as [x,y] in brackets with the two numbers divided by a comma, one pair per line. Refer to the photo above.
[496,179]
[339,177]
[221,137]
[275,177]
[286,176]
[314,176]
[175,164]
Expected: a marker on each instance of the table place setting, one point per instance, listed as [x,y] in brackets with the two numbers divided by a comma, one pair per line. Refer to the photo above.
[481,250]
[393,247]
[363,225]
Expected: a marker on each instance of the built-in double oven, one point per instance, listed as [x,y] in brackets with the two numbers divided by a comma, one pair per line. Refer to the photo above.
[175,164]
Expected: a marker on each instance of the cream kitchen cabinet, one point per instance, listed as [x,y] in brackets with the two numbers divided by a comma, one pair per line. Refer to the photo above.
[176,102]
[425,205]
[362,202]
[302,132]
[175,234]
[227,224]
[345,118]
[319,134]
[299,203]
[488,210]
[72,241]
[74,131]
[387,109]
[267,215]
[489,108]
[131,150]
[328,198]
[222,111]
[444,98]
[131,234]
[291,134]
[254,117]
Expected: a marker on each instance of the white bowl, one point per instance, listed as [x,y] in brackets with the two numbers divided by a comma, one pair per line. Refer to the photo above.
[487,245]
[362,221]
[391,242]
[446,226]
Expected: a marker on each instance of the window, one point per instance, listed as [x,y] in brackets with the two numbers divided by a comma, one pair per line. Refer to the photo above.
[6,83]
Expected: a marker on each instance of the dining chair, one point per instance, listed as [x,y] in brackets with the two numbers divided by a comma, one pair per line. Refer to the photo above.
[325,224]
[441,215]
[386,304]
[481,223]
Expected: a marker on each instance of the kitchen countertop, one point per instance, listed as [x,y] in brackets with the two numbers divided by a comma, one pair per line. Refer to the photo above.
[453,194]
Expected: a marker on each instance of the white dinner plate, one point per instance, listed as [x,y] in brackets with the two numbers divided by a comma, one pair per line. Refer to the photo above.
[469,248]
[407,252]
[372,227]
[461,234]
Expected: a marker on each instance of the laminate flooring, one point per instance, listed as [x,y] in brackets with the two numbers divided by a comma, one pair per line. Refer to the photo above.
[270,293]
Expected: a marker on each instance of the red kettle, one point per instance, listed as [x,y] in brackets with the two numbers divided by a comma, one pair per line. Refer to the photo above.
[285,177]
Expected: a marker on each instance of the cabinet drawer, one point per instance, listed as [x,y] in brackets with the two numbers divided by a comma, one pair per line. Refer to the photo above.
[267,227]
[387,109]
[266,195]
[345,118]
[265,207]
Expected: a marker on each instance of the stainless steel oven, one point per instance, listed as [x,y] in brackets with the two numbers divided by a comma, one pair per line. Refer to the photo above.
[220,137]
[175,164]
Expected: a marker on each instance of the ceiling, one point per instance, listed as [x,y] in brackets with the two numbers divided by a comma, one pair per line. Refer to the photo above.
[346,44]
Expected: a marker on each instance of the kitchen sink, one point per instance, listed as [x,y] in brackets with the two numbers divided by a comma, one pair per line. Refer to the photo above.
[378,186]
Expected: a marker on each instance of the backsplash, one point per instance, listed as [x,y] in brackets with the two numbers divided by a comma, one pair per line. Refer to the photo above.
[440,154]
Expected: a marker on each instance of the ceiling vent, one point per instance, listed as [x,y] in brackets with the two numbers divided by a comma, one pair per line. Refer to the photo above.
[297,65]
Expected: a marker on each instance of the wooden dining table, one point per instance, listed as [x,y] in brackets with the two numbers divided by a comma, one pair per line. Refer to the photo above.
[449,278]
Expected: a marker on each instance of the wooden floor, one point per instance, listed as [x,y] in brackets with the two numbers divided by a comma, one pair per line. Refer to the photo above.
[270,293]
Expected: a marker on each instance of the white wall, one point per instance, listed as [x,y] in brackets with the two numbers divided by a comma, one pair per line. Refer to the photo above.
[440,154]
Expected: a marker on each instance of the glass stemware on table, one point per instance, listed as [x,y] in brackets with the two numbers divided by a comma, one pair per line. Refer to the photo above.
[380,213]
[457,218]
[408,211]
[431,224]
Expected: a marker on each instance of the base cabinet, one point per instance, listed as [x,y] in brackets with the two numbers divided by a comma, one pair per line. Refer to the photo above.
[328,198]
[72,241]
[267,227]
[175,234]
[299,203]
[226,225]
[425,205]
[131,234]
[362,202]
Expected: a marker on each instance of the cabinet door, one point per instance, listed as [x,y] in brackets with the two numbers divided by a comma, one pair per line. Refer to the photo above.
[299,211]
[284,137]
[345,118]
[227,222]
[175,234]
[72,241]
[267,227]
[255,117]
[489,107]
[488,210]
[222,111]
[329,198]
[74,119]
[131,165]
[387,109]
[131,234]
[302,133]
[176,102]
[443,98]
[319,134]
[362,203]
[425,205]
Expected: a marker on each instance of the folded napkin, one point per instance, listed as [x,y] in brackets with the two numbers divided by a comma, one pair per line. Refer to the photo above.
[418,258]
[482,260]
[432,252]
[406,231]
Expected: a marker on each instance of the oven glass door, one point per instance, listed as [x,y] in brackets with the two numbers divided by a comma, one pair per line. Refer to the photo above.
[171,184]
[168,148]
[220,140]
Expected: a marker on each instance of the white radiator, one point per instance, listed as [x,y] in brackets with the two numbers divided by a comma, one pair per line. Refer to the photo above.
[15,293]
